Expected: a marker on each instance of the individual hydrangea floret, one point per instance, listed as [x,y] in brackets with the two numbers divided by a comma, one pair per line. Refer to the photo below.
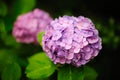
[28,25]
[71,40]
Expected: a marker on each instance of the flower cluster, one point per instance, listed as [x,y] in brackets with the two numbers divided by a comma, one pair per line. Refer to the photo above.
[28,25]
[71,40]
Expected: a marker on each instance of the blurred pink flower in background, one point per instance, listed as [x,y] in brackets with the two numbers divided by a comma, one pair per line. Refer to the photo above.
[28,25]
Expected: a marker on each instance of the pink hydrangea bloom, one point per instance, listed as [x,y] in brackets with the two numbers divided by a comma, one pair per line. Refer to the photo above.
[71,40]
[28,25]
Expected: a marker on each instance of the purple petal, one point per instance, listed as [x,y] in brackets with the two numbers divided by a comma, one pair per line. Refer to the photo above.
[93,39]
[57,35]
[87,56]
[70,56]
[86,33]
[95,52]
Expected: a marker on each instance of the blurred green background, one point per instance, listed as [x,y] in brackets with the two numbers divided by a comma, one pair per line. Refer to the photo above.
[104,14]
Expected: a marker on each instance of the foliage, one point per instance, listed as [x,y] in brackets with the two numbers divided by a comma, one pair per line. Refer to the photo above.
[11,72]
[39,66]
[73,73]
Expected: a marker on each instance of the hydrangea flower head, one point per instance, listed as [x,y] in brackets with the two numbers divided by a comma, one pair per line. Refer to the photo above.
[28,25]
[71,40]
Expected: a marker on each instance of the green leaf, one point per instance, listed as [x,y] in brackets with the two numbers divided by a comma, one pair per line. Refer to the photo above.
[39,66]
[2,27]
[90,73]
[9,40]
[6,56]
[40,35]
[3,9]
[11,72]
[23,6]
[69,72]
[3,55]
